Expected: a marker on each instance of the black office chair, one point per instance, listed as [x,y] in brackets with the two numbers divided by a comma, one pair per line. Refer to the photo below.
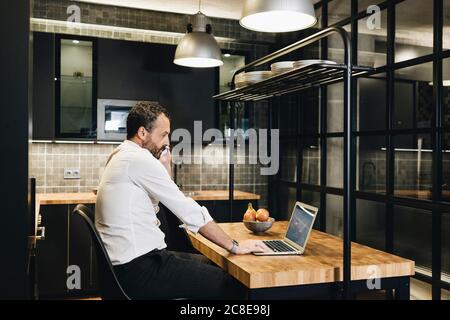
[110,288]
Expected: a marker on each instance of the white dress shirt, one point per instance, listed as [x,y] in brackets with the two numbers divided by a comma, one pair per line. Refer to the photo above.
[132,185]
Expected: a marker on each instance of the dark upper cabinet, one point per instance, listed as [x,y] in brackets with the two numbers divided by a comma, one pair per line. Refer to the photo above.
[142,71]
[122,70]
[188,97]
[75,87]
[43,85]
[64,83]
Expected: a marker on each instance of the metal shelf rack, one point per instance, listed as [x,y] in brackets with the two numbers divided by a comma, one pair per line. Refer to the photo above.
[301,79]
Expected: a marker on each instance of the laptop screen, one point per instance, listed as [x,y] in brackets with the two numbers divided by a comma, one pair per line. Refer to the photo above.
[301,222]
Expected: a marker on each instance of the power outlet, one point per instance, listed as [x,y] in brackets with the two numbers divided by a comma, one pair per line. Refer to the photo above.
[72,174]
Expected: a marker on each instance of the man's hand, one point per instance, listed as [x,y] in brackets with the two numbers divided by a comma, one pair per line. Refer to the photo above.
[249,246]
[213,232]
[166,160]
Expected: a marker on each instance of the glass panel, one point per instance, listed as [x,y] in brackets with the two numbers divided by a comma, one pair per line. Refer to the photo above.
[319,17]
[76,88]
[412,236]
[336,47]
[287,197]
[335,108]
[231,63]
[413,165]
[414,29]
[334,215]
[338,10]
[311,161]
[414,97]
[372,103]
[313,199]
[288,113]
[372,40]
[371,223]
[446,25]
[335,160]
[288,161]
[372,164]
[310,111]
[446,247]
[446,96]
[446,167]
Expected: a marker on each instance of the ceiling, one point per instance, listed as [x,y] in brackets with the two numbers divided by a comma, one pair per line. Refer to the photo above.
[229,9]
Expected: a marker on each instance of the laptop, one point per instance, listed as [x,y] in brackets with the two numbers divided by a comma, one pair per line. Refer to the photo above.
[297,234]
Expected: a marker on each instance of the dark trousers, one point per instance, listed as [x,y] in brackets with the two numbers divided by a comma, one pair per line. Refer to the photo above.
[173,275]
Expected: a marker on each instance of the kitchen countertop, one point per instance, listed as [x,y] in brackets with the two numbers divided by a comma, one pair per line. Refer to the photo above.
[90,197]
[421,194]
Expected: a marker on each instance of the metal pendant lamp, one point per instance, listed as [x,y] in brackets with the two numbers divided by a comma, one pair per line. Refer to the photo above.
[278,15]
[198,48]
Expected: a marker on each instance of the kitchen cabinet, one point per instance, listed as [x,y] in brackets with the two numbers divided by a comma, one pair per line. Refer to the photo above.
[43,85]
[64,86]
[75,87]
[71,73]
[67,243]
[146,72]
[52,253]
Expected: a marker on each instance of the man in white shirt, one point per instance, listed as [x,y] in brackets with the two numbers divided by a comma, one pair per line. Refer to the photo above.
[136,178]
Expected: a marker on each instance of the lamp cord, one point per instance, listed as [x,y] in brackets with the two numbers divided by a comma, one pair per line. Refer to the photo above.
[199,5]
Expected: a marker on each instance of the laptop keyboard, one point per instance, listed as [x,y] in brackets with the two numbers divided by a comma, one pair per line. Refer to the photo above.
[278,246]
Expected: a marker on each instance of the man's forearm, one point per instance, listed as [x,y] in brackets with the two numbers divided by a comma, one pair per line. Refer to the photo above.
[213,232]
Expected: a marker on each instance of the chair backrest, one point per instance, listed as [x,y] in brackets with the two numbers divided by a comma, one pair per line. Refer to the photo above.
[110,288]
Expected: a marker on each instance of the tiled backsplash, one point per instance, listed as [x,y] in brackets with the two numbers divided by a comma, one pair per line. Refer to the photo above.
[48,161]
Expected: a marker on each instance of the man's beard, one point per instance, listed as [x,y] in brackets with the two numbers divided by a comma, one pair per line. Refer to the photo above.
[154,149]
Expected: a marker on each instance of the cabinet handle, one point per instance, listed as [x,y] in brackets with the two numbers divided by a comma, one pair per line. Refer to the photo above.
[42,235]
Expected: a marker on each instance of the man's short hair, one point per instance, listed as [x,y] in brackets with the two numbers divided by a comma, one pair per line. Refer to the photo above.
[144,114]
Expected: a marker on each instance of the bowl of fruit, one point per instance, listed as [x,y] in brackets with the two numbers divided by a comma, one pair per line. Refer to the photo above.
[257,221]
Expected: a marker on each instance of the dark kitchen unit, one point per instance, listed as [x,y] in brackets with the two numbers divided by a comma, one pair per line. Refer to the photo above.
[113,70]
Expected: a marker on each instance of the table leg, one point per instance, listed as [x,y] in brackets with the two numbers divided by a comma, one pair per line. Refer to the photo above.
[403,291]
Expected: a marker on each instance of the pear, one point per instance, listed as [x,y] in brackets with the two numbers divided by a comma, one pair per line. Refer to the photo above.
[250,214]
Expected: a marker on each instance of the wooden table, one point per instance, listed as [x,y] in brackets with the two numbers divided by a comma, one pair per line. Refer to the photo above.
[318,272]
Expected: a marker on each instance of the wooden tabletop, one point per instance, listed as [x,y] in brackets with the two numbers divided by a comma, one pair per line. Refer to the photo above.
[321,262]
[90,197]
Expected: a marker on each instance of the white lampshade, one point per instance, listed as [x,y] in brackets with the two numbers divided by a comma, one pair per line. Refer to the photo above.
[278,15]
[198,48]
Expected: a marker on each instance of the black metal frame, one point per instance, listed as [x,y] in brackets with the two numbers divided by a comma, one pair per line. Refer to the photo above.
[436,205]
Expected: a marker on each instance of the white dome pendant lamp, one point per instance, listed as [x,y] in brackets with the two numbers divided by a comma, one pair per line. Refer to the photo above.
[198,48]
[278,15]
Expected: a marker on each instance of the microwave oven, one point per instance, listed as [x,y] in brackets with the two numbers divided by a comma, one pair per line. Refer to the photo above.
[112,119]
